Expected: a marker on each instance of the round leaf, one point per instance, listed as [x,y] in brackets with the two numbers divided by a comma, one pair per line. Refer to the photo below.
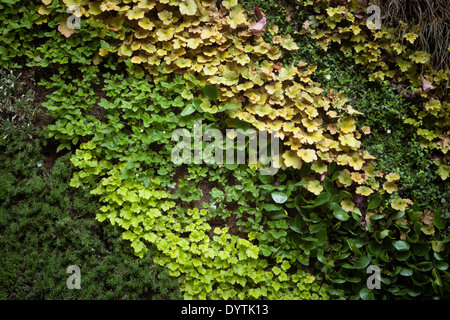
[228,106]
[211,92]
[279,197]
[401,245]
[231,166]
[266,250]
[362,263]
[341,215]
[366,294]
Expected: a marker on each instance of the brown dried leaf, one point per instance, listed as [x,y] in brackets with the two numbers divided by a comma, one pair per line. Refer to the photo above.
[366,130]
[427,217]
[403,234]
[65,30]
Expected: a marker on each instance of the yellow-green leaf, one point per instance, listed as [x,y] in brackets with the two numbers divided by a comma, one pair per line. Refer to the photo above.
[188,7]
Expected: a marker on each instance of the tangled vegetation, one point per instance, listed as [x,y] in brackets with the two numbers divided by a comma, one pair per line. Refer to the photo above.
[362,115]
[46,226]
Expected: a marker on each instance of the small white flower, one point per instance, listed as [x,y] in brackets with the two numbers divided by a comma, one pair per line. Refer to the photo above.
[142,130]
[328,76]
[388,131]
[39,165]
[137,175]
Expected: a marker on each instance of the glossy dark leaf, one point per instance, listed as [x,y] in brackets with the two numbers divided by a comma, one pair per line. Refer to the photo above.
[277,215]
[314,228]
[406,272]
[196,103]
[341,215]
[362,262]
[332,167]
[272,207]
[374,201]
[299,222]
[322,198]
[366,294]
[401,245]
[327,184]
[345,194]
[188,110]
[438,221]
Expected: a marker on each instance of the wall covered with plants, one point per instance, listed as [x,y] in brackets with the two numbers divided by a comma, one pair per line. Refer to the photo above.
[362,116]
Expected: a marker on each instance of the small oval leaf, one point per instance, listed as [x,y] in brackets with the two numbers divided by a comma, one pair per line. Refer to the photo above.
[279,197]
[188,110]
[322,198]
[401,245]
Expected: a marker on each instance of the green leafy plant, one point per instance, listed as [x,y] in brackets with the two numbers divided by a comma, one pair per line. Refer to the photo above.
[340,236]
[48,226]
[16,109]
[227,232]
